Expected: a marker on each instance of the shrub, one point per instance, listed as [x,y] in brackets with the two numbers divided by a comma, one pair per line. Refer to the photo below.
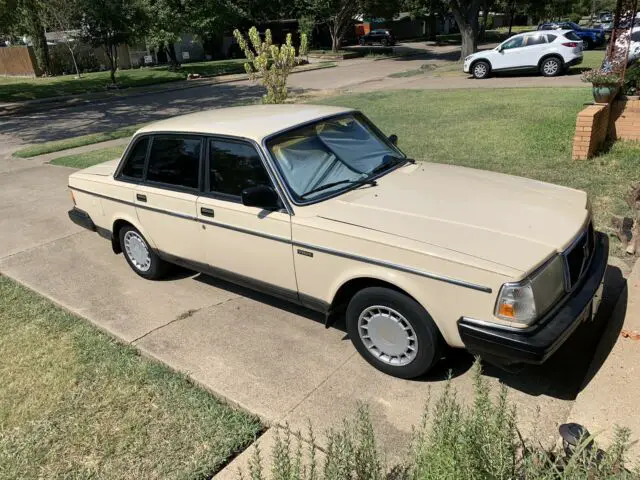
[453,441]
[631,85]
[270,63]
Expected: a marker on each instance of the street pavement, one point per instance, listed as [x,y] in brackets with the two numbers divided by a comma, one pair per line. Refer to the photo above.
[269,357]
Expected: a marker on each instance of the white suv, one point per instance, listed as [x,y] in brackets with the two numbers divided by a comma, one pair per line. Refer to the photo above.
[549,52]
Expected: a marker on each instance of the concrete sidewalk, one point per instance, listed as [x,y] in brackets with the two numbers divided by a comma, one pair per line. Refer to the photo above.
[269,357]
[610,395]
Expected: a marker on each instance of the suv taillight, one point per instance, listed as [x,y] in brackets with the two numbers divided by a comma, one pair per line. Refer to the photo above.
[570,44]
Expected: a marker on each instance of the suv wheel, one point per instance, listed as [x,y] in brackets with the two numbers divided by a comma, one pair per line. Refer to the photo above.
[550,67]
[481,69]
[384,42]
[588,44]
[361,41]
[139,255]
[393,332]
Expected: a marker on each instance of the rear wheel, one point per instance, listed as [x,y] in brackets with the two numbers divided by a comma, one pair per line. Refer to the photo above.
[550,67]
[139,255]
[588,44]
[393,332]
[361,41]
[481,69]
[385,42]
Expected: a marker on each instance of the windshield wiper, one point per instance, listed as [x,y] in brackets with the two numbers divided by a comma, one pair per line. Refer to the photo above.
[390,162]
[339,182]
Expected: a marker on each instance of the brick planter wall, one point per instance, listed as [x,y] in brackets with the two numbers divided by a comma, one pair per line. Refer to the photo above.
[592,127]
[596,123]
[625,120]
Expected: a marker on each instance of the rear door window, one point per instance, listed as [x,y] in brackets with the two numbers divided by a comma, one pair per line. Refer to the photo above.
[175,160]
[532,40]
[134,164]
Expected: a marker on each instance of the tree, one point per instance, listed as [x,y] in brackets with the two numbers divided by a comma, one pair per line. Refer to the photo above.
[63,15]
[110,23]
[167,20]
[466,14]
[339,14]
[30,17]
[272,64]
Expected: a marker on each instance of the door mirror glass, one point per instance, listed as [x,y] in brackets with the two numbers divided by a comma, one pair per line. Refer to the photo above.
[393,138]
[499,48]
[262,197]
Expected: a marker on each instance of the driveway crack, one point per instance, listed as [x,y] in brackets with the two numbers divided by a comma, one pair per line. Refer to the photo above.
[183,316]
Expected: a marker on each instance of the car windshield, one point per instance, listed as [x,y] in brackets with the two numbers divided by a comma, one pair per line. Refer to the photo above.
[332,155]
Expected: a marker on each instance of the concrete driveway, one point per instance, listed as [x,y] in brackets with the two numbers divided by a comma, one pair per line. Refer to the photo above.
[271,358]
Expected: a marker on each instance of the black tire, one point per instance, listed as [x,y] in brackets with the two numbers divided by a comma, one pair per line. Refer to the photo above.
[385,42]
[157,267]
[362,41]
[588,44]
[551,67]
[481,69]
[428,340]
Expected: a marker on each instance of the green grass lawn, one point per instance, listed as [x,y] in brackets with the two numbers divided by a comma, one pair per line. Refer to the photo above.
[84,160]
[73,142]
[14,89]
[74,403]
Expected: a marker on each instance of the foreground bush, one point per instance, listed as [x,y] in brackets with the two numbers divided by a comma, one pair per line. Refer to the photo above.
[453,441]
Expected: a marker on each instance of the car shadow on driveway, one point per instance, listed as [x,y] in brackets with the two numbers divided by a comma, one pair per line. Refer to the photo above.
[563,376]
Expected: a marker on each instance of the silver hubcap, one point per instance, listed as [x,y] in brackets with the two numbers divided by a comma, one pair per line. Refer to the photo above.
[480,70]
[550,68]
[137,251]
[388,335]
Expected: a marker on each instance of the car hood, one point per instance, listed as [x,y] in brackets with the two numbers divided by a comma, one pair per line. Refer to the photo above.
[591,30]
[510,221]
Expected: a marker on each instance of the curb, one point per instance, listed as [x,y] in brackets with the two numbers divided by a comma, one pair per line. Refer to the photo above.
[40,105]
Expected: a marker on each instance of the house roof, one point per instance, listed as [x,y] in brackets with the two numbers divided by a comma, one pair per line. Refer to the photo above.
[255,122]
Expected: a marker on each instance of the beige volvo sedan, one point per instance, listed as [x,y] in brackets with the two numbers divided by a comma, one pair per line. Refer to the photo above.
[315,205]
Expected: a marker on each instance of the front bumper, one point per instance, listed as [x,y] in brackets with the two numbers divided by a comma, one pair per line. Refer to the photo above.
[537,343]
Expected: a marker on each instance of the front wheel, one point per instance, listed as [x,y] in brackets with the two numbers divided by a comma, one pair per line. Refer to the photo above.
[551,67]
[139,255]
[481,70]
[393,332]
[361,41]
[385,42]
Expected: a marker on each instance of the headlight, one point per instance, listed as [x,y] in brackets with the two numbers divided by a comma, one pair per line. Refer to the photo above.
[468,58]
[525,301]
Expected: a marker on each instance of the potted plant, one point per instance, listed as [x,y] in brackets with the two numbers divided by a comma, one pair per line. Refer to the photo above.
[605,84]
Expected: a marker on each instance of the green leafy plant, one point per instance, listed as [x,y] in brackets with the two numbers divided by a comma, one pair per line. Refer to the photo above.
[270,63]
[598,76]
[453,441]
[631,85]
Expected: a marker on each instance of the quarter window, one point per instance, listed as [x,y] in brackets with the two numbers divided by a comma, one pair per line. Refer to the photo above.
[234,166]
[175,160]
[134,165]
[551,38]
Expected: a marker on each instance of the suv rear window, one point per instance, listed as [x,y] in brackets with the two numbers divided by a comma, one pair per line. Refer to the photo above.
[572,36]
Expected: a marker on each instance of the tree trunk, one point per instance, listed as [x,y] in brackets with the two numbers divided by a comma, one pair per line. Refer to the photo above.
[335,36]
[512,12]
[41,49]
[73,58]
[485,20]
[112,56]
[467,20]
[173,59]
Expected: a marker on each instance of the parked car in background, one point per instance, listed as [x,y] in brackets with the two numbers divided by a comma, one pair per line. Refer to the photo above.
[592,37]
[634,45]
[605,17]
[548,52]
[382,36]
[314,204]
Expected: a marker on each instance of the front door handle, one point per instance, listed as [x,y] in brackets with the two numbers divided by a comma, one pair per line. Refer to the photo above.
[207,212]
[141,197]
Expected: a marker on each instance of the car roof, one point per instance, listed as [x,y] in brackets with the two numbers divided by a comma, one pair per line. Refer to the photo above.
[255,122]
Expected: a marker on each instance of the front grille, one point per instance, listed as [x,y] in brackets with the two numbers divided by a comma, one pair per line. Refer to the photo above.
[578,256]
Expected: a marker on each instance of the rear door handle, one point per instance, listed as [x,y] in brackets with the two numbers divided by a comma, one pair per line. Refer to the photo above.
[141,197]
[207,212]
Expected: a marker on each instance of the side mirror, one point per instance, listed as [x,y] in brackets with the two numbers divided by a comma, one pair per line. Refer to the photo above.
[261,196]
[393,138]
[499,48]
